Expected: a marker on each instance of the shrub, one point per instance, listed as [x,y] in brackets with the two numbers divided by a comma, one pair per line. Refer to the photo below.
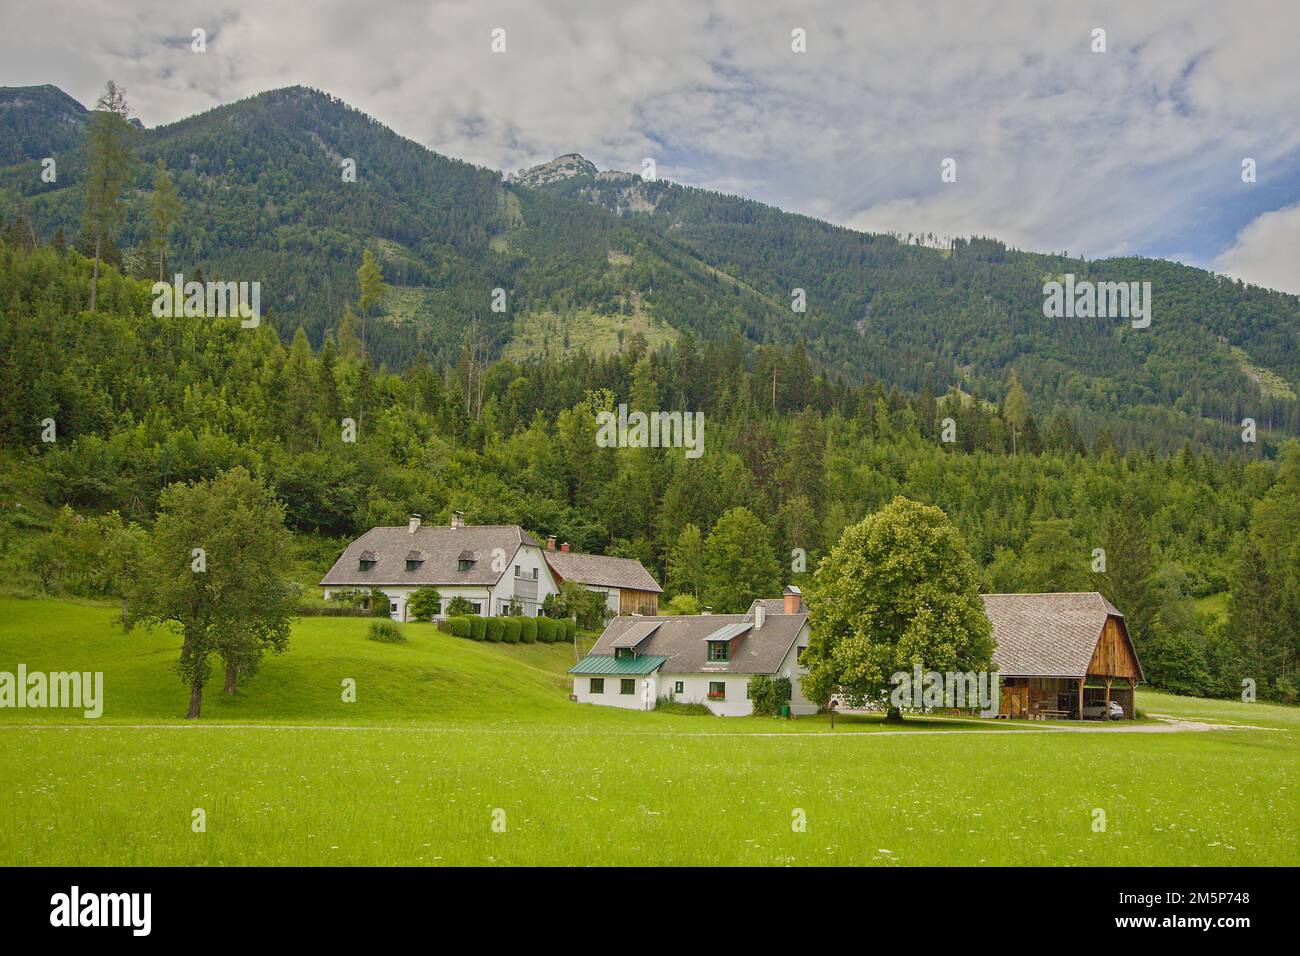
[492,625]
[669,705]
[768,693]
[386,632]
[548,630]
[459,607]
[379,604]
[528,630]
[683,604]
[510,630]
[423,603]
[570,628]
[460,626]
[477,628]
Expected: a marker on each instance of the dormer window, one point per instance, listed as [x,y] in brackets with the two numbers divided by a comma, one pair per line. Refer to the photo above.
[624,652]
[414,559]
[366,560]
[719,651]
[466,560]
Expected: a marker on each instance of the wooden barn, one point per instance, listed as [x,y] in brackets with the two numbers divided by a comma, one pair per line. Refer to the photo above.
[1062,655]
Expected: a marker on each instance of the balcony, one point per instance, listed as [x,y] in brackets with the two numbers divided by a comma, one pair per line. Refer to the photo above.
[525,589]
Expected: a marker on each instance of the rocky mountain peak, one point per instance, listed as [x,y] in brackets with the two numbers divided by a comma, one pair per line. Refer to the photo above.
[558,169]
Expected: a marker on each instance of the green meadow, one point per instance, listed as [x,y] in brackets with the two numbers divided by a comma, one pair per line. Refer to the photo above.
[456,752]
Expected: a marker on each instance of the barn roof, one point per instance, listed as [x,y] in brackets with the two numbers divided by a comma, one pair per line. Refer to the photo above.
[602,570]
[441,548]
[1046,635]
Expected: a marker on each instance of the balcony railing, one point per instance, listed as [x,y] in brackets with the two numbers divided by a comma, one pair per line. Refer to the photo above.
[526,588]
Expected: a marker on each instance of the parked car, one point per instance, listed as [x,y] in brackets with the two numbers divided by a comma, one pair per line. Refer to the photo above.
[1099,710]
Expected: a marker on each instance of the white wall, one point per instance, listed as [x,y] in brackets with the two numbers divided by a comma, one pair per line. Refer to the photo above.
[647,690]
[695,690]
[529,559]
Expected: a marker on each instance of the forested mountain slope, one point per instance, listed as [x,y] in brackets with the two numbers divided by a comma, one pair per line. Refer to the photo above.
[577,252]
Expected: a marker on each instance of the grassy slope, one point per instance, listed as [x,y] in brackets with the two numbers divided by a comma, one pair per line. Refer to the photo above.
[460,729]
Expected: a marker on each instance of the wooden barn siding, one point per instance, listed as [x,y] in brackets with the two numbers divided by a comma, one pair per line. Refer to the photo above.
[631,602]
[1113,655]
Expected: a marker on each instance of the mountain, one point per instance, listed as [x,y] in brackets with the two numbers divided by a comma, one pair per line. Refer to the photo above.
[589,258]
[38,121]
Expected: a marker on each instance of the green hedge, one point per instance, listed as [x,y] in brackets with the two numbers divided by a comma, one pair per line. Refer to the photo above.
[570,629]
[510,630]
[528,630]
[493,626]
[549,630]
[477,628]
[459,626]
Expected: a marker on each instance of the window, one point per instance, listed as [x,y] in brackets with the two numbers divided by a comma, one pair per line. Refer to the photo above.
[679,687]
[627,685]
[518,571]
[719,651]
[623,652]
[598,685]
[392,607]
[365,565]
[477,606]
[413,565]
[717,690]
[534,574]
[463,564]
[798,655]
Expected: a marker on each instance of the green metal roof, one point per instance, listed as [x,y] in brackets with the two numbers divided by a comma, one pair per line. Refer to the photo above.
[609,664]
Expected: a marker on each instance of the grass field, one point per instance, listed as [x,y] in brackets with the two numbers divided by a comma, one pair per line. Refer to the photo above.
[464,753]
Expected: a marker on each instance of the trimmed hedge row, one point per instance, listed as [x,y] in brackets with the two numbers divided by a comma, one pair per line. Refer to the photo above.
[511,630]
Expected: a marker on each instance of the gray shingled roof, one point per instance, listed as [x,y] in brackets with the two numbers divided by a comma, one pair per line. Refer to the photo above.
[442,547]
[602,570]
[683,641]
[1046,635]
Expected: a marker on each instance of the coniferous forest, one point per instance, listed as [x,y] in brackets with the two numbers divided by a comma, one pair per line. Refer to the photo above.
[914,370]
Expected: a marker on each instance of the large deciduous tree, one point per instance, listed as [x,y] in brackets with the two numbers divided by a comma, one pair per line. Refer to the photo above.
[899,590]
[214,567]
[739,563]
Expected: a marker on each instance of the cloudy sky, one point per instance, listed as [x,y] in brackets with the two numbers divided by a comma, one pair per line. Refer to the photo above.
[1135,150]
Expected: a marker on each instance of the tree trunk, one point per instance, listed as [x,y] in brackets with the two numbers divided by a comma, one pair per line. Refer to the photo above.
[230,678]
[196,701]
[893,716]
[94,277]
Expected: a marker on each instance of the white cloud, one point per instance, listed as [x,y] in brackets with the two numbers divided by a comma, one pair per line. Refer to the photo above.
[1057,147]
[1267,251]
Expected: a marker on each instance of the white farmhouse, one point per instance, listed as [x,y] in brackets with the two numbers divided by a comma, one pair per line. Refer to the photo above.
[703,658]
[494,567]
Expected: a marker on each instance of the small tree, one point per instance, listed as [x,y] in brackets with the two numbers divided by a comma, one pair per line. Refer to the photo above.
[213,567]
[459,607]
[899,590]
[110,144]
[164,208]
[424,603]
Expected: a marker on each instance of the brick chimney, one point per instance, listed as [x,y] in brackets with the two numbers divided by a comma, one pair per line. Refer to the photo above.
[458,519]
[793,599]
[565,546]
[413,524]
[550,542]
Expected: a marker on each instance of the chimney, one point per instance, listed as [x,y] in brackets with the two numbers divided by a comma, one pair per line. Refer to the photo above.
[760,614]
[793,599]
[458,519]
[413,524]
[565,546]
[550,542]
